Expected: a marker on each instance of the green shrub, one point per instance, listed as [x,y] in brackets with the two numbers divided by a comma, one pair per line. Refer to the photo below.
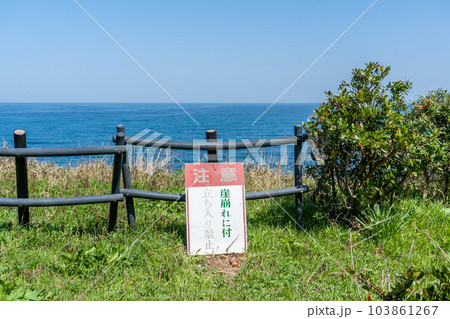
[363,135]
[431,151]
[408,286]
[439,291]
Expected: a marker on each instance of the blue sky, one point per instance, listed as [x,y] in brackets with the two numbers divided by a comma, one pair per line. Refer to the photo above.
[214,51]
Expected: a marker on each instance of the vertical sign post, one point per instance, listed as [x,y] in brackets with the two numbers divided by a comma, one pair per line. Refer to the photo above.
[215,208]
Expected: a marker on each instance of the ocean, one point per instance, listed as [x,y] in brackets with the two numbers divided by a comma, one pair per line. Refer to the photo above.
[93,124]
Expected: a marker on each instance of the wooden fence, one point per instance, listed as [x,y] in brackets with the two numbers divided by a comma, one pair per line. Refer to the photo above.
[121,168]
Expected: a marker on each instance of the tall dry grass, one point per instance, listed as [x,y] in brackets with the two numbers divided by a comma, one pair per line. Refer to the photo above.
[149,171]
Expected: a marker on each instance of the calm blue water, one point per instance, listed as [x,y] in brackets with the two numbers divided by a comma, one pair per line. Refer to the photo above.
[93,124]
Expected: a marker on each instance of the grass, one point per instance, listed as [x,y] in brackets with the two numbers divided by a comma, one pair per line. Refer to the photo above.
[67,254]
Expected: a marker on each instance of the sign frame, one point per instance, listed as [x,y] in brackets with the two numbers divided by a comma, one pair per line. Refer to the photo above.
[215,178]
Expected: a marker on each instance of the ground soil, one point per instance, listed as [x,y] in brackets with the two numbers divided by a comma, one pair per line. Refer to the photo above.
[221,263]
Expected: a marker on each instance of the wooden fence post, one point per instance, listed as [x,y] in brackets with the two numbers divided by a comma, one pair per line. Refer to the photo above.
[20,141]
[115,188]
[127,184]
[211,136]
[298,170]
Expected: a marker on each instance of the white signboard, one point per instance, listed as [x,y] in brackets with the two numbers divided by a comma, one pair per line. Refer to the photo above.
[215,208]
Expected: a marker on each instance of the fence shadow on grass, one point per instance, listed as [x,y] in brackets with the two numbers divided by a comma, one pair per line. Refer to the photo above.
[7,226]
[175,227]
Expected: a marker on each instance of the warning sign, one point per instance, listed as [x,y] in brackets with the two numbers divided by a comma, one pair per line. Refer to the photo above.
[215,208]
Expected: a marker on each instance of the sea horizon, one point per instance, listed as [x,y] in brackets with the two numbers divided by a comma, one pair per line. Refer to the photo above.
[93,124]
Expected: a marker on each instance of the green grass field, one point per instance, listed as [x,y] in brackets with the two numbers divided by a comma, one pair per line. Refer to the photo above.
[67,254]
